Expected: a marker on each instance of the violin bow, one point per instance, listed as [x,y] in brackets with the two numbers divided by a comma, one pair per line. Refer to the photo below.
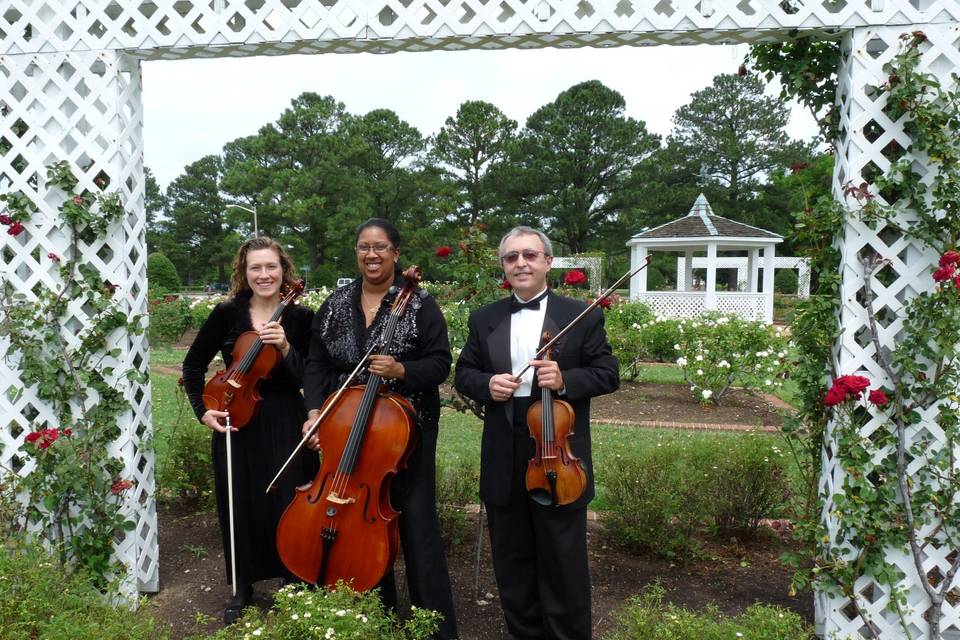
[600,298]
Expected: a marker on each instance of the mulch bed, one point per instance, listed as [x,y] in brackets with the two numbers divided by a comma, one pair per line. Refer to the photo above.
[193,588]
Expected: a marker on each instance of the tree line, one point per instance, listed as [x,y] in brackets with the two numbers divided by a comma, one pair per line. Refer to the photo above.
[580,168]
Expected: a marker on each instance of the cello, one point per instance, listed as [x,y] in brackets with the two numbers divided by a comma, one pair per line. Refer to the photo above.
[554,475]
[236,389]
[342,526]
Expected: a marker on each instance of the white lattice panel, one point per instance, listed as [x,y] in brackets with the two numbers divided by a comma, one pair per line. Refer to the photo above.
[692,304]
[867,133]
[749,306]
[802,265]
[170,29]
[84,108]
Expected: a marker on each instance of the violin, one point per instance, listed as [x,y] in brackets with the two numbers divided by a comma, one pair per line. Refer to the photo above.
[554,475]
[236,389]
[342,526]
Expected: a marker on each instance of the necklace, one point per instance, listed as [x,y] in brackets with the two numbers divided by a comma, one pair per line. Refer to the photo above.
[371,308]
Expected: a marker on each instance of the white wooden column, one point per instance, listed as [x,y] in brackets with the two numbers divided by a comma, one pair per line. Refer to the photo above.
[710,300]
[768,255]
[753,270]
[638,282]
[688,270]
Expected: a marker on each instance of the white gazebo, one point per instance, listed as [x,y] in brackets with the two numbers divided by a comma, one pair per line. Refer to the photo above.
[702,230]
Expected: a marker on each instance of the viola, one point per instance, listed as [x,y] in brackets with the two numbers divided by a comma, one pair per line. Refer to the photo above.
[554,475]
[342,526]
[236,388]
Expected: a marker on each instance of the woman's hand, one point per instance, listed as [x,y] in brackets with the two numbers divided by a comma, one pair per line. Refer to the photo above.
[314,441]
[272,333]
[386,367]
[213,419]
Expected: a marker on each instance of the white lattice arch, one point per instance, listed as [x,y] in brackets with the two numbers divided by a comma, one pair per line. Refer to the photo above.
[741,264]
[70,73]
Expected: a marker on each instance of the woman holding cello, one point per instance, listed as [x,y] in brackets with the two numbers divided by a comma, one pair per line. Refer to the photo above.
[262,273]
[345,327]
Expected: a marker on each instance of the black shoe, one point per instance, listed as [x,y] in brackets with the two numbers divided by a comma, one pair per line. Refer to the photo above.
[237,604]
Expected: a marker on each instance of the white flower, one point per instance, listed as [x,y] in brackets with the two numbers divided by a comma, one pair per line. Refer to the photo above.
[682,362]
[699,372]
[699,358]
[706,393]
[677,347]
[257,631]
[767,382]
[341,612]
[723,364]
[330,633]
[294,617]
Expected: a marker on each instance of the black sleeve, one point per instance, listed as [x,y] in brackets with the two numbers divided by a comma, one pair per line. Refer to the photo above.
[208,342]
[599,372]
[297,330]
[470,378]
[319,374]
[432,365]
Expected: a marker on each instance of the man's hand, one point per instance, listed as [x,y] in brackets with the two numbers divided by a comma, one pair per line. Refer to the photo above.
[502,386]
[548,374]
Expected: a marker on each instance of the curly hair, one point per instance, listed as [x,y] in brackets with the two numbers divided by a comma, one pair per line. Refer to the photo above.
[238,281]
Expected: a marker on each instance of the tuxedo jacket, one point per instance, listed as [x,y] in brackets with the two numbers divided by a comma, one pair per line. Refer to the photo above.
[586,362]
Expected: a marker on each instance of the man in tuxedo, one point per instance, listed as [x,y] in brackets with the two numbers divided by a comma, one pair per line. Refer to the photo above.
[539,550]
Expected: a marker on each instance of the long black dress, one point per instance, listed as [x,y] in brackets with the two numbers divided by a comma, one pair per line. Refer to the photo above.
[340,339]
[260,447]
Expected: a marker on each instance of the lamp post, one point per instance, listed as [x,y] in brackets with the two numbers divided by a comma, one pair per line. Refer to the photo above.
[256,231]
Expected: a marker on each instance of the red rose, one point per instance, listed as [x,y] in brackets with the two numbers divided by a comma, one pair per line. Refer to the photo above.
[68,432]
[33,436]
[43,438]
[878,397]
[78,200]
[180,382]
[15,229]
[605,302]
[506,285]
[120,486]
[956,280]
[574,278]
[5,219]
[443,252]
[797,167]
[53,256]
[834,396]
[852,384]
[950,257]
[943,273]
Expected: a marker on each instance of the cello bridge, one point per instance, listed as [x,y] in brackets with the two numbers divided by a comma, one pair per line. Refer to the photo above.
[334,498]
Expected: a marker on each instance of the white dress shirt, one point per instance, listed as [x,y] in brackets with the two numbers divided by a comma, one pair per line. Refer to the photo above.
[526,327]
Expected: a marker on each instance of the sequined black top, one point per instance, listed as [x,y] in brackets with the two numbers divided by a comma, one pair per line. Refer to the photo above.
[340,338]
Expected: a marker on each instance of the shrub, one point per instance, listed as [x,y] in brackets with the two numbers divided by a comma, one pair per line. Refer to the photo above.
[200,308]
[646,616]
[185,469]
[745,480]
[656,500]
[39,599]
[306,612]
[169,319]
[657,339]
[623,322]
[785,281]
[716,351]
[161,274]
[457,486]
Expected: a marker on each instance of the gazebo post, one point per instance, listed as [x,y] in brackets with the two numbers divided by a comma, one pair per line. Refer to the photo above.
[638,282]
[753,270]
[687,271]
[768,252]
[710,300]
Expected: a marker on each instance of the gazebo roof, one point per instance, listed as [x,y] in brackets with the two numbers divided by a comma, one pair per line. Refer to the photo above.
[702,224]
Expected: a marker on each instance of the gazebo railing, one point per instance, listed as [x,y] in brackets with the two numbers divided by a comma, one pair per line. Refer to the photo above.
[690,304]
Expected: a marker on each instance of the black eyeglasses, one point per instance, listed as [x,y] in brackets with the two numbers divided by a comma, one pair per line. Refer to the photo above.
[529,255]
[379,249]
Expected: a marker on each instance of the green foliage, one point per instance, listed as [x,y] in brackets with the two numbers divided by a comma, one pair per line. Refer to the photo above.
[182,446]
[75,493]
[785,281]
[716,351]
[161,274]
[458,484]
[169,319]
[305,612]
[807,68]
[646,616]
[661,495]
[40,599]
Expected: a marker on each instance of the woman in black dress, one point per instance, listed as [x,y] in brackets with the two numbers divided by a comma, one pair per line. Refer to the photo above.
[344,328]
[262,273]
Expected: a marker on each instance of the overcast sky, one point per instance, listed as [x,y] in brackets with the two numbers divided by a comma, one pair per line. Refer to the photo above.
[193,107]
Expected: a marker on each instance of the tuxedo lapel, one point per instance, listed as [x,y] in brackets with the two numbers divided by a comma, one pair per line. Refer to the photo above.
[498,346]
[551,320]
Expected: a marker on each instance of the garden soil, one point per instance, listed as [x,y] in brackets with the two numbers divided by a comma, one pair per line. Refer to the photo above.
[193,589]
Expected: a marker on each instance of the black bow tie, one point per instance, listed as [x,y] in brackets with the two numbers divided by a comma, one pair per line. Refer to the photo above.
[516,305]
